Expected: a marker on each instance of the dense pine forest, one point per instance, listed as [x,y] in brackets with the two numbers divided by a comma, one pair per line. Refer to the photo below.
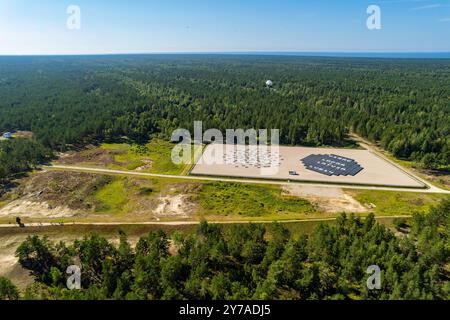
[249,262]
[19,156]
[402,104]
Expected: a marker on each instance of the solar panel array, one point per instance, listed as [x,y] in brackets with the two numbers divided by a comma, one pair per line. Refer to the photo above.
[332,165]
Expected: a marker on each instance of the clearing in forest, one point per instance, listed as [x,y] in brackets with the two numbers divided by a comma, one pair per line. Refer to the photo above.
[218,160]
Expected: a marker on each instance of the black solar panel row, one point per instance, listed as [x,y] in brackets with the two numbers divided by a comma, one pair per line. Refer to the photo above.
[332,165]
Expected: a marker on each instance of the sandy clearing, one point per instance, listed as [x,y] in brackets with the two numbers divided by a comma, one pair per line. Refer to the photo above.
[177,201]
[9,264]
[330,200]
[312,191]
[52,194]
[176,205]
[33,209]
[171,206]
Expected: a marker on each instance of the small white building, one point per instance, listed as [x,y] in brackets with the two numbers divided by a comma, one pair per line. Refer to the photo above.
[269,83]
[7,135]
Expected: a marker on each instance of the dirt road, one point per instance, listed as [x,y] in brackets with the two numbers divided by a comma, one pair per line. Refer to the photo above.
[430,189]
[180,223]
[367,145]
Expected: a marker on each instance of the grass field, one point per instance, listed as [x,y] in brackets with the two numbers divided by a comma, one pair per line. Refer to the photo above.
[153,157]
[112,197]
[249,200]
[213,198]
[121,198]
[396,203]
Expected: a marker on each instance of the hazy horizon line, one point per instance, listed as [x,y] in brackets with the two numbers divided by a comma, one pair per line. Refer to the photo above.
[250,52]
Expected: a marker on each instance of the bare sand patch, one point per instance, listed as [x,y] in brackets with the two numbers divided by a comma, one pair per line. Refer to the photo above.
[9,264]
[173,206]
[52,194]
[32,209]
[178,201]
[330,200]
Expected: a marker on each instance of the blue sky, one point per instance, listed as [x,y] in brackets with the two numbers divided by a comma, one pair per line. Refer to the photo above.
[141,26]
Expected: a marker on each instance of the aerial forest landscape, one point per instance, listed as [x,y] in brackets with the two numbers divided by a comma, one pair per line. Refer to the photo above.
[90,185]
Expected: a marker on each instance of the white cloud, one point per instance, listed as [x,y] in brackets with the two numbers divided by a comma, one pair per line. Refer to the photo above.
[431,6]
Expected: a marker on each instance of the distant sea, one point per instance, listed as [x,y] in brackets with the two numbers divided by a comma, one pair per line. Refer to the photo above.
[399,55]
[341,54]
